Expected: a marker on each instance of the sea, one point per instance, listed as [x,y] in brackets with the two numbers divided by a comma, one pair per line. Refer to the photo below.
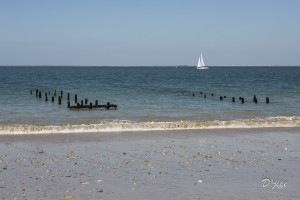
[147,98]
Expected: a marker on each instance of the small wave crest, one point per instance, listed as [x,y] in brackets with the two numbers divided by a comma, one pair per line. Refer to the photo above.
[149,126]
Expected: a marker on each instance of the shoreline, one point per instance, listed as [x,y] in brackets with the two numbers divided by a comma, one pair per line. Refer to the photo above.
[110,135]
[182,164]
[119,126]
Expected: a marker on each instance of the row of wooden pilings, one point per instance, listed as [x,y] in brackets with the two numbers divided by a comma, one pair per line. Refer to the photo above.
[241,99]
[83,104]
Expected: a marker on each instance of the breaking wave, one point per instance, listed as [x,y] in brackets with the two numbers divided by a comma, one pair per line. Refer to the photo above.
[150,126]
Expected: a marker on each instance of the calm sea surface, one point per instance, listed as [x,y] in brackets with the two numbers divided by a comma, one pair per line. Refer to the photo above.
[147,95]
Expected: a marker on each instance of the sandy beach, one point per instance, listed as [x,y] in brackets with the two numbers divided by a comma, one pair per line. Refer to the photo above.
[185,164]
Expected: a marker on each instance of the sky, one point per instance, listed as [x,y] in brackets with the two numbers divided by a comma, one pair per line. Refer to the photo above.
[149,33]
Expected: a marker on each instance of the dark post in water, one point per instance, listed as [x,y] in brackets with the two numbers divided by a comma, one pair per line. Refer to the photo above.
[254,99]
[267,100]
[75,98]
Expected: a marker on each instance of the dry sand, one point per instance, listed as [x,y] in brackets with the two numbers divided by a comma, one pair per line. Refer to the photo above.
[192,164]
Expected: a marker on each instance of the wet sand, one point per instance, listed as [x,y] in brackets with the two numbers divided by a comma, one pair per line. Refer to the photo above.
[191,164]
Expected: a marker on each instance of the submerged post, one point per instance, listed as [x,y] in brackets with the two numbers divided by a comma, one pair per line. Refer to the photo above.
[46,97]
[69,104]
[52,99]
[108,105]
[243,100]
[40,94]
[91,106]
[86,101]
[254,99]
[221,98]
[267,100]
[233,99]
[81,102]
[75,98]
[59,100]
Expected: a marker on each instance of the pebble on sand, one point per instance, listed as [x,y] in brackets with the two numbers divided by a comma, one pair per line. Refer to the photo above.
[69,197]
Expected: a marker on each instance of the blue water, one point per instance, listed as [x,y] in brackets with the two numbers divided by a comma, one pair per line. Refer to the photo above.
[147,94]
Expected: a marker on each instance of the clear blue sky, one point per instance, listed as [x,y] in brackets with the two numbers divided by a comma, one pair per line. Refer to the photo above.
[149,32]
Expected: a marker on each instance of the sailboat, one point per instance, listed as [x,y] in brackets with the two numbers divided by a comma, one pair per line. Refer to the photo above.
[201,64]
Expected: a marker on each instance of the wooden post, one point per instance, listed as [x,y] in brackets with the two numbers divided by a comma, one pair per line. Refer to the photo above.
[59,100]
[68,96]
[212,94]
[75,98]
[30,91]
[69,104]
[52,99]
[107,105]
[193,94]
[243,100]
[221,98]
[233,99]
[254,99]
[86,101]
[91,106]
[267,100]
[40,94]
[81,102]
[46,97]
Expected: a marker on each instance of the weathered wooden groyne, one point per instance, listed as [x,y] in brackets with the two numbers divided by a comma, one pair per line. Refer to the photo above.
[84,104]
[233,99]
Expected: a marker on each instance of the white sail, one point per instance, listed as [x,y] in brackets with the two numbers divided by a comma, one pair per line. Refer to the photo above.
[201,64]
[202,61]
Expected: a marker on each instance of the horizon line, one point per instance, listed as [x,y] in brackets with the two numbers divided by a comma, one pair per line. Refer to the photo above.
[181,66]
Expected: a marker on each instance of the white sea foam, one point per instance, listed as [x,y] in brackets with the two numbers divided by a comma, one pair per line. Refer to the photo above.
[119,126]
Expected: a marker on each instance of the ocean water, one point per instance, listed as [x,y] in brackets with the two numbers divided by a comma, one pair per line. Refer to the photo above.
[148,98]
